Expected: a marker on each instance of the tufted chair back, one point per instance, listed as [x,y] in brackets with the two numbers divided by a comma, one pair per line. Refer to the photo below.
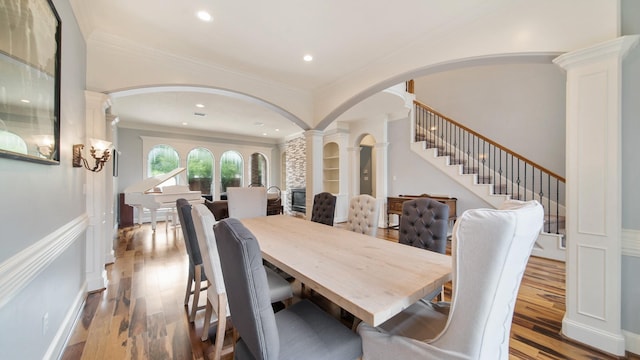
[363,214]
[324,208]
[424,224]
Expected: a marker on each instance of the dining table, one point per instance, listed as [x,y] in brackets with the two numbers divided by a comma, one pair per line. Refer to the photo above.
[372,278]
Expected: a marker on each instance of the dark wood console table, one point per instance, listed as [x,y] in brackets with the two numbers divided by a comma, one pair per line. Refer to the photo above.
[394,205]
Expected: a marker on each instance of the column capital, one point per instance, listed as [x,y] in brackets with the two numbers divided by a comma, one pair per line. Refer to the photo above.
[616,47]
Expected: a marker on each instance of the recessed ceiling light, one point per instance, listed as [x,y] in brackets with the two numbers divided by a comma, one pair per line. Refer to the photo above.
[308,57]
[185,123]
[277,129]
[25,101]
[199,105]
[264,134]
[204,16]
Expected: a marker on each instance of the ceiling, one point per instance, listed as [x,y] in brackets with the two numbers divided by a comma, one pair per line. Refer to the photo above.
[264,40]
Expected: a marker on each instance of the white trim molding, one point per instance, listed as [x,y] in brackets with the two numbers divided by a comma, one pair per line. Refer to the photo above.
[631,242]
[57,345]
[21,269]
[632,341]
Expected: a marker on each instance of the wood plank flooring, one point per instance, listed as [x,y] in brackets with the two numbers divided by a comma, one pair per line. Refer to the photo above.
[140,315]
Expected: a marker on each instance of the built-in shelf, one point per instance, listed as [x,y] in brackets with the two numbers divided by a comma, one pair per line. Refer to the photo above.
[331,167]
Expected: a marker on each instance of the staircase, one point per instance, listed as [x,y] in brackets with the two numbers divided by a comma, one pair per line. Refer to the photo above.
[491,172]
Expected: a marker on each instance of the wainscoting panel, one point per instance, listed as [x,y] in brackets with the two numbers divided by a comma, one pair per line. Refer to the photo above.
[21,269]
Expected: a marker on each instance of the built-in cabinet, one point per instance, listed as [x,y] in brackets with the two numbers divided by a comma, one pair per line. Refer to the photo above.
[335,171]
[331,168]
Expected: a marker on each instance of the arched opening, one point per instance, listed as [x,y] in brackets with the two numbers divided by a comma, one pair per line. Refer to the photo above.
[367,168]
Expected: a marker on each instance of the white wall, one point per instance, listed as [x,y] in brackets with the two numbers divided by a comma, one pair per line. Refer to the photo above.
[40,200]
[521,106]
[511,28]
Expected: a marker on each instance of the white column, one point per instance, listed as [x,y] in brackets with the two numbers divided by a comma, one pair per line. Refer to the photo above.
[381,181]
[313,176]
[594,225]
[111,196]
[354,171]
[96,253]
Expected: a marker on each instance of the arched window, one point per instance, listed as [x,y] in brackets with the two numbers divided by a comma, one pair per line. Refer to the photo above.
[258,170]
[161,160]
[231,165]
[200,170]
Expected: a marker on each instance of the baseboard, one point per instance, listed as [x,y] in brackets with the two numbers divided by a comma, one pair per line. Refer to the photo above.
[632,342]
[596,338]
[59,341]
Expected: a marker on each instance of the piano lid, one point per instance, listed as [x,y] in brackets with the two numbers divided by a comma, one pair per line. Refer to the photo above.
[151,182]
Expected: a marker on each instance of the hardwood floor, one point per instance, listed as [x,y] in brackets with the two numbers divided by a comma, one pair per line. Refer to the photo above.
[141,313]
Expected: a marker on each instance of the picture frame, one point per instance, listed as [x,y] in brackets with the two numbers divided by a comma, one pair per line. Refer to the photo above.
[30,63]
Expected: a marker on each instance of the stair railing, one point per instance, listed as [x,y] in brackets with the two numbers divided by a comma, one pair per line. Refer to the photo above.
[509,172]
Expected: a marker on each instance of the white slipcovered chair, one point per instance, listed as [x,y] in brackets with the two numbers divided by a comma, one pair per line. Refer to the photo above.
[490,250]
[247,202]
[363,215]
[203,222]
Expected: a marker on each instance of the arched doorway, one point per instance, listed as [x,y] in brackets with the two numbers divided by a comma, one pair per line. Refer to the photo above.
[367,166]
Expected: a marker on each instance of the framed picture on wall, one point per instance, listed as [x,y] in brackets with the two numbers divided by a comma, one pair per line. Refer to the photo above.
[30,42]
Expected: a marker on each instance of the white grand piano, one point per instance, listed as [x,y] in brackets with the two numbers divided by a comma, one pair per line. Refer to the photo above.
[150,194]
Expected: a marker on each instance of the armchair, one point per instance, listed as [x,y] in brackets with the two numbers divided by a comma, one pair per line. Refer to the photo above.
[490,250]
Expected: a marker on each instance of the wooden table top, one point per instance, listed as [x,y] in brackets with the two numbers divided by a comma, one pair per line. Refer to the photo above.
[373,279]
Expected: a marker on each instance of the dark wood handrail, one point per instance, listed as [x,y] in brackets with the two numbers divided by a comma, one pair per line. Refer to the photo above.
[484,138]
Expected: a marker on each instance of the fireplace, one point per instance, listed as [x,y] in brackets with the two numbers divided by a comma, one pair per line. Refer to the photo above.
[299,200]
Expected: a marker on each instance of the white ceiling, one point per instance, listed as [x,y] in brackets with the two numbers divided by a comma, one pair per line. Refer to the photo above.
[266,40]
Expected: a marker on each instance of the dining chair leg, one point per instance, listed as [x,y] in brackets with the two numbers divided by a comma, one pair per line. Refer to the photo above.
[196,292]
[207,321]
[222,325]
[356,322]
[189,291]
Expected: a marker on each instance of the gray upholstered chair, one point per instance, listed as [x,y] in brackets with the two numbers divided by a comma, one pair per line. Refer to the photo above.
[196,272]
[203,221]
[324,208]
[247,202]
[424,224]
[363,215]
[490,250]
[301,331]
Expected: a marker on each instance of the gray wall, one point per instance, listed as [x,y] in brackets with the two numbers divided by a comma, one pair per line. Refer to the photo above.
[409,174]
[631,166]
[38,200]
[631,126]
[521,106]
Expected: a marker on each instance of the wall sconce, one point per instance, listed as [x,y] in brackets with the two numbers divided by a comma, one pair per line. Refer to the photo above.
[100,151]
[45,145]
